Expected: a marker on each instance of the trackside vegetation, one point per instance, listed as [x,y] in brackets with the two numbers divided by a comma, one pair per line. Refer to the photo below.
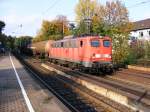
[139,53]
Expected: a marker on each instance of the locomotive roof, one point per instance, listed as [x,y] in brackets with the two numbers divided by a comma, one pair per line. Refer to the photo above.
[78,37]
[82,36]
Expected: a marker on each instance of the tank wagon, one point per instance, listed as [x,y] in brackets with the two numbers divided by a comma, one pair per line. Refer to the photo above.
[40,48]
[85,52]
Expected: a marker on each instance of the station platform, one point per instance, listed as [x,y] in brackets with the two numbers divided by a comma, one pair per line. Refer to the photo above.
[20,92]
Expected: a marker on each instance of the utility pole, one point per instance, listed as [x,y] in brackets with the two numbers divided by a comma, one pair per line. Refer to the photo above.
[88,20]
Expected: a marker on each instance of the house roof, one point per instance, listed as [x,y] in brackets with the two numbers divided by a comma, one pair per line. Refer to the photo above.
[140,25]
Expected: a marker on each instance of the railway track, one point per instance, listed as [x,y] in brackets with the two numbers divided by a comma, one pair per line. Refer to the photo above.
[135,84]
[73,95]
[133,77]
[133,89]
[140,94]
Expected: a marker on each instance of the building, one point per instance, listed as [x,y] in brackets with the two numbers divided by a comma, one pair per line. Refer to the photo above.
[141,29]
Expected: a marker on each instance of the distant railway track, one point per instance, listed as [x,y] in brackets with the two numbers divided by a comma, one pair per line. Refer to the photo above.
[136,73]
[129,82]
[140,79]
[75,96]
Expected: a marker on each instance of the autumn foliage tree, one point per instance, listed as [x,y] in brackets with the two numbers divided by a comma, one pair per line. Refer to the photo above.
[53,30]
[116,18]
[85,10]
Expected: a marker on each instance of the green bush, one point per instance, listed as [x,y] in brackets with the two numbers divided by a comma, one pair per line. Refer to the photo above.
[139,53]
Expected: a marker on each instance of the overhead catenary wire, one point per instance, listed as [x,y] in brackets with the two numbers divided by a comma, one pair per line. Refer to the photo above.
[50,7]
[140,3]
[41,16]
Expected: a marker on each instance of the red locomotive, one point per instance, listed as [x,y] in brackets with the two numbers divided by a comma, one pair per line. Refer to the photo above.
[90,52]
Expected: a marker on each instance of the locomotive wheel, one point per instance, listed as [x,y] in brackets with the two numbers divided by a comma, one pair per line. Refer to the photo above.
[109,71]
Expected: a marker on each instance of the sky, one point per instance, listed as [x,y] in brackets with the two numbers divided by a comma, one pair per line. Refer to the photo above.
[24,17]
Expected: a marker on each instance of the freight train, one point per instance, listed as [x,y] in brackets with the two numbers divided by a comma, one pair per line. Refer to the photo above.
[84,52]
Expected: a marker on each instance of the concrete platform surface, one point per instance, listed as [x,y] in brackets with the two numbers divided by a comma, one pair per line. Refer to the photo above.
[20,92]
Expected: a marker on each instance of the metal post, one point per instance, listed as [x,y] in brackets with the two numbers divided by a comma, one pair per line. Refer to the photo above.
[88,25]
[62,28]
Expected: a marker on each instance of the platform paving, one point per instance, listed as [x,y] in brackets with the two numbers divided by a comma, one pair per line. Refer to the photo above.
[11,97]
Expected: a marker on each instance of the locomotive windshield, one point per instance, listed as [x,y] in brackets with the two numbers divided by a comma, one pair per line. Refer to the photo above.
[106,43]
[95,43]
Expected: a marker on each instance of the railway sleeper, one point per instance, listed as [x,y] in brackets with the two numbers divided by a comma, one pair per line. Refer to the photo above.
[85,108]
[63,92]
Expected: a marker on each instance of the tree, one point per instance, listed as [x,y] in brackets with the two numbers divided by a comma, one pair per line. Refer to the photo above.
[116,17]
[85,9]
[116,13]
[117,21]
[120,48]
[22,41]
[7,41]
[2,36]
[53,30]
[63,24]
[81,29]
[10,42]
[2,25]
[98,25]
[48,28]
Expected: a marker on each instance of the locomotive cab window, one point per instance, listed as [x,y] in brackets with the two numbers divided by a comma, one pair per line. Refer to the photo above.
[95,43]
[106,43]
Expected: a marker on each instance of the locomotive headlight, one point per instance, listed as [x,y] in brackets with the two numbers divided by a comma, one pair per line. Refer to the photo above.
[97,55]
[107,56]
